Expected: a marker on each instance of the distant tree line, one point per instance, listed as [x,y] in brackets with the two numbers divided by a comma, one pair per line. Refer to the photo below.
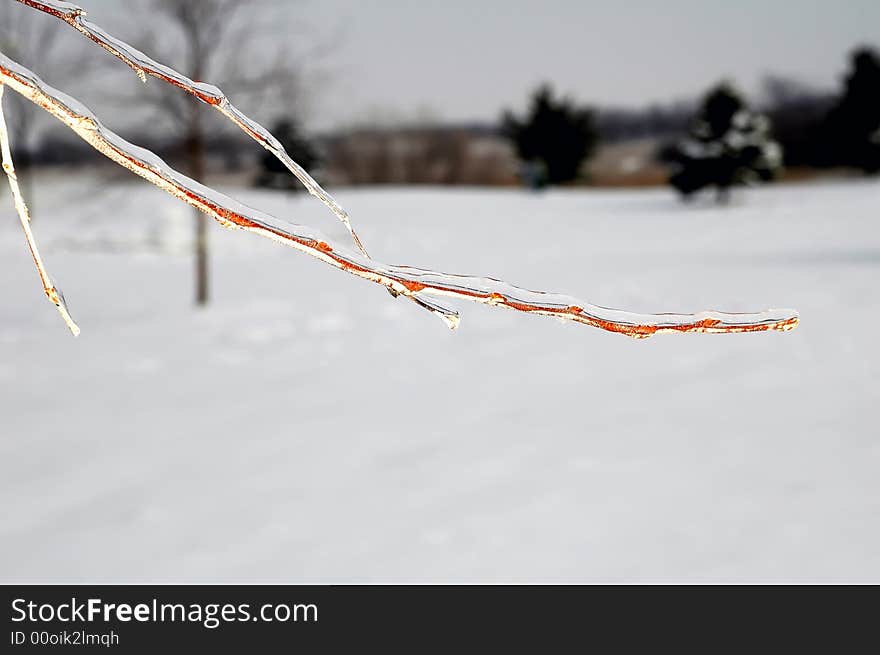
[658,120]
[426,154]
[726,141]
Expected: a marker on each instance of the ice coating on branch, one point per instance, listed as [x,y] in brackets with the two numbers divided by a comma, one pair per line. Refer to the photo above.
[404,280]
[53,293]
[144,65]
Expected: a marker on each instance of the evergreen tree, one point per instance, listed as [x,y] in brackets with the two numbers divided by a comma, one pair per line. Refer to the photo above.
[727,145]
[273,173]
[554,138]
[852,135]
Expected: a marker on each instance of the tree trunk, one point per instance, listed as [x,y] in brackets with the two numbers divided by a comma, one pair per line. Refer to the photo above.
[195,152]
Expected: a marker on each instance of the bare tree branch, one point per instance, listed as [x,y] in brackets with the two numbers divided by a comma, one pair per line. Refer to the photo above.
[52,292]
[404,280]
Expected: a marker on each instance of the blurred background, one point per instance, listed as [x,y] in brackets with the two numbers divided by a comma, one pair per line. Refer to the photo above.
[235,411]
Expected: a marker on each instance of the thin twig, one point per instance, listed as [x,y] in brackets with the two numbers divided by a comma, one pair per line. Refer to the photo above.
[52,292]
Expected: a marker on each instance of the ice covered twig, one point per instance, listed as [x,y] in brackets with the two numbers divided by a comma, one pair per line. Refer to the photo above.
[404,280]
[52,292]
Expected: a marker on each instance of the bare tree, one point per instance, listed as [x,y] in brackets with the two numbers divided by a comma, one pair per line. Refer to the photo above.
[216,40]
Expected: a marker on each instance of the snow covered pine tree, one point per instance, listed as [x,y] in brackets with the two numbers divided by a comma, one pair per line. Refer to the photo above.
[421,286]
[728,145]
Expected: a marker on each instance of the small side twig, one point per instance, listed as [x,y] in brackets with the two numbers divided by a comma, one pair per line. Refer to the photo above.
[52,292]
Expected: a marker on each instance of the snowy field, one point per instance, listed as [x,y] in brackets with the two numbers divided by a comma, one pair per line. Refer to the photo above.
[308,427]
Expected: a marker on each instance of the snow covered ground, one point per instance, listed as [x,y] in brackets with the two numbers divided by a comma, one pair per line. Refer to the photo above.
[308,427]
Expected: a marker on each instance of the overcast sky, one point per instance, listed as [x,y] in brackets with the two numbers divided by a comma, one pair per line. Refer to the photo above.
[467,59]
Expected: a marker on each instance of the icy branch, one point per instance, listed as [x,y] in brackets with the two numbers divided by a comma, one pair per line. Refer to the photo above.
[52,292]
[402,280]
